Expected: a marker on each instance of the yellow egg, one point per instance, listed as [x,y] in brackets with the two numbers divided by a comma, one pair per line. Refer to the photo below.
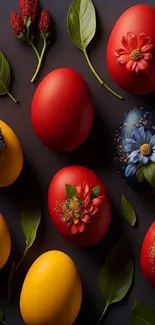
[5,242]
[11,156]
[52,291]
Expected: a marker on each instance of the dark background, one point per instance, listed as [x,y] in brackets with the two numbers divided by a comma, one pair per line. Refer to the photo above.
[41,163]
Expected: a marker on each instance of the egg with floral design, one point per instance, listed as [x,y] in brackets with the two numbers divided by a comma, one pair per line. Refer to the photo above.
[79,205]
[131,50]
[134,147]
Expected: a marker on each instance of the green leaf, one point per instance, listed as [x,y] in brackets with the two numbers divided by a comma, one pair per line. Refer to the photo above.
[31,217]
[117,273]
[5,77]
[149,173]
[1,314]
[142,314]
[128,211]
[95,192]
[140,174]
[70,191]
[81,22]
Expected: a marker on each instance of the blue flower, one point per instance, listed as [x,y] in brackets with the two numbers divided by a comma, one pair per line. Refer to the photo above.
[140,148]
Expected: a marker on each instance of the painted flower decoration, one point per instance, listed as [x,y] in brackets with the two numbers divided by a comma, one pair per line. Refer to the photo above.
[2,141]
[140,148]
[135,52]
[79,207]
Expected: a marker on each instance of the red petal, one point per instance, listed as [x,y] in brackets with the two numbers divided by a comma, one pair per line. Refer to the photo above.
[147,41]
[147,48]
[73,229]
[81,226]
[129,65]
[123,59]
[98,201]
[120,52]
[87,200]
[86,219]
[141,39]
[142,64]
[95,210]
[132,41]
[136,69]
[134,65]
[125,44]
[79,189]
[86,189]
[147,56]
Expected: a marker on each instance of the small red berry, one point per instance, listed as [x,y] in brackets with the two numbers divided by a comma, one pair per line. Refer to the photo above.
[17,23]
[45,22]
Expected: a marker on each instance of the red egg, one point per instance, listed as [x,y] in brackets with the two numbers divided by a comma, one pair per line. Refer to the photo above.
[62,111]
[99,221]
[131,50]
[147,257]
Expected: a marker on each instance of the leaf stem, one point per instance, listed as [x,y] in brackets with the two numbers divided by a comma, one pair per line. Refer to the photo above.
[12,272]
[10,95]
[98,78]
[103,313]
[40,59]
[3,322]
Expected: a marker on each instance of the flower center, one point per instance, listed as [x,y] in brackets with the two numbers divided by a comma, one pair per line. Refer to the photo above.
[136,55]
[70,209]
[145,149]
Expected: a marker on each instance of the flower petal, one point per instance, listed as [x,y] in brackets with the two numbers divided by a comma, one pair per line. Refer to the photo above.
[142,65]
[130,170]
[136,69]
[81,226]
[130,141]
[98,201]
[134,159]
[128,148]
[142,134]
[136,135]
[143,160]
[123,59]
[120,52]
[134,153]
[87,200]
[147,48]
[148,136]
[85,188]
[132,41]
[73,229]
[141,39]
[129,65]
[94,210]
[79,189]
[125,44]
[134,65]
[152,157]
[152,141]
[86,219]
[147,56]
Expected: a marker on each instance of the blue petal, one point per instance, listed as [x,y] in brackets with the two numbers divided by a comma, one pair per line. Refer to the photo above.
[133,157]
[152,141]
[136,135]
[128,148]
[130,141]
[130,170]
[148,136]
[152,157]
[143,160]
[142,134]
[153,147]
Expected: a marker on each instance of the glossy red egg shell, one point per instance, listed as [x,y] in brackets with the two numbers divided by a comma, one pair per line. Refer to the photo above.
[62,110]
[137,19]
[147,257]
[74,175]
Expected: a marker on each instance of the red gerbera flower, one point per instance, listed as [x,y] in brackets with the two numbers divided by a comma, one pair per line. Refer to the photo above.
[78,211]
[136,52]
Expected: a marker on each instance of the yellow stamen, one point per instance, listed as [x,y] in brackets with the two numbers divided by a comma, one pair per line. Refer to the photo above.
[76,221]
[136,55]
[145,149]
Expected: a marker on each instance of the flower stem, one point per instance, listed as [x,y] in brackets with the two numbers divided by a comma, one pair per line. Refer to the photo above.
[40,59]
[103,313]
[14,99]
[34,48]
[3,322]
[98,78]
[12,272]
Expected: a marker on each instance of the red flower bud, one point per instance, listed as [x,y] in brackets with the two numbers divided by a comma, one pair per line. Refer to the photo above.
[17,23]
[45,22]
[29,9]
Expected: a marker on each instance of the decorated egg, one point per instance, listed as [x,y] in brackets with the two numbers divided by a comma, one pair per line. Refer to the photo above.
[79,205]
[62,110]
[147,256]
[131,50]
[134,147]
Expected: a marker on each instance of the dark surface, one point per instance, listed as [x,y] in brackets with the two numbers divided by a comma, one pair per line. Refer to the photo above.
[41,164]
